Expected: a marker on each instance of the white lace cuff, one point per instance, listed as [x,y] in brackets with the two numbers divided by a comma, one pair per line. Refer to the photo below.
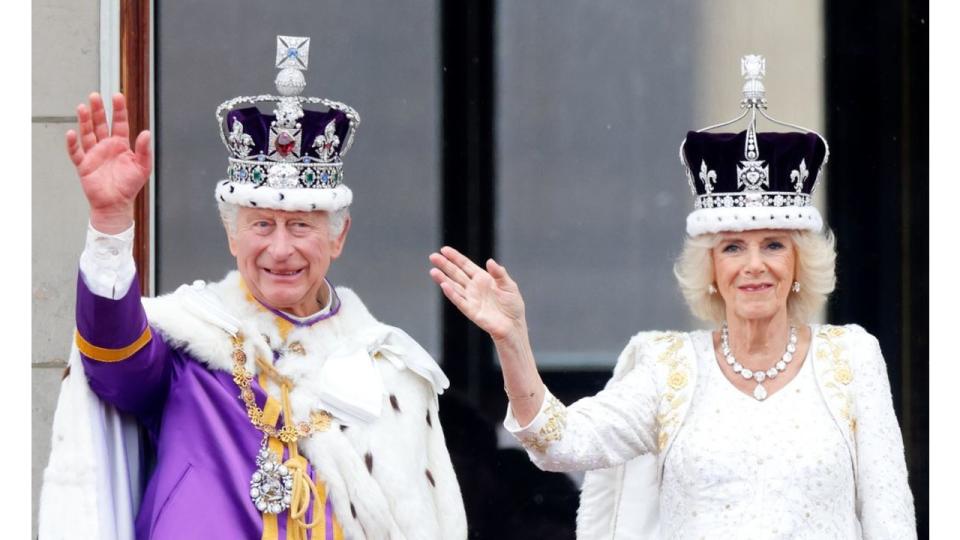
[106,264]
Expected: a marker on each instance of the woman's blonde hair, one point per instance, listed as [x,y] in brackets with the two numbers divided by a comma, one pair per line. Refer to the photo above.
[816,258]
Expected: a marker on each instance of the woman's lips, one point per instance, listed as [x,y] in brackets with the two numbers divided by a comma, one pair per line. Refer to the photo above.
[756,287]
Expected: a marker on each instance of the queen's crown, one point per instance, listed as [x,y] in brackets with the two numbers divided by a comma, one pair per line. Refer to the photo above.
[753,168]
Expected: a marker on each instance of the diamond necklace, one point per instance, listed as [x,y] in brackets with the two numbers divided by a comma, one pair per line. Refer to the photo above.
[759,392]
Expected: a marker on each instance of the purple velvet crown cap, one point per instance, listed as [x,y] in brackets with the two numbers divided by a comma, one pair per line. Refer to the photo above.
[782,153]
[256,123]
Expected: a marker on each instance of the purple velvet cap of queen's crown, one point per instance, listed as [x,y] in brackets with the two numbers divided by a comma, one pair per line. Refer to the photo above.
[290,159]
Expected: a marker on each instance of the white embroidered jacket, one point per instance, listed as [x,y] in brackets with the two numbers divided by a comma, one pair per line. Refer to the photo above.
[623,435]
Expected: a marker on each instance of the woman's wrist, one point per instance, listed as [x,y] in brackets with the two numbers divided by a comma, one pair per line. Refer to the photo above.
[520,376]
[521,395]
[516,338]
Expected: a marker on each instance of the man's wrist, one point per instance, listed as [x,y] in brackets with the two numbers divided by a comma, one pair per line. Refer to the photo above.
[111,222]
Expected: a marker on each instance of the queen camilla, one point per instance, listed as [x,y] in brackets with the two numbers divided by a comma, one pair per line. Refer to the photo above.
[767,426]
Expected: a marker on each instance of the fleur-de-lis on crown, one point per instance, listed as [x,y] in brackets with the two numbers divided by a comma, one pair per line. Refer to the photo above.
[708,177]
[327,144]
[798,177]
[240,142]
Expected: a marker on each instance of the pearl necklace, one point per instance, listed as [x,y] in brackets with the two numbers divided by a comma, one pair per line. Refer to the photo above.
[759,392]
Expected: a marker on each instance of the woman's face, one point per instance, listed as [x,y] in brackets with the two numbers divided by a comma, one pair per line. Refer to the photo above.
[753,271]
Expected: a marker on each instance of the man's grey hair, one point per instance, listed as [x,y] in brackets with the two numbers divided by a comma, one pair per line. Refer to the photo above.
[228,215]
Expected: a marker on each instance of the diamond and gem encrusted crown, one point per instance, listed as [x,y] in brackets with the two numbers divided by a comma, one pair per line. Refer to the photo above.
[752,179]
[294,148]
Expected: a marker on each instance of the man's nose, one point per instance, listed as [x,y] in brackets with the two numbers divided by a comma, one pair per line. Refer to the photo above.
[281,244]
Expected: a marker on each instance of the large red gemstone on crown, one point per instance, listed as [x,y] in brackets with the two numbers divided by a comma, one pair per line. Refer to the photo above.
[285,143]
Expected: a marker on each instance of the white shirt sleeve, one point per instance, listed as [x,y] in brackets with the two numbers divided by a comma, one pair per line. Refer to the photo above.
[106,264]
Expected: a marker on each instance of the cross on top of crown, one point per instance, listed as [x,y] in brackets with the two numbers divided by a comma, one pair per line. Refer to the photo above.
[293,52]
[753,66]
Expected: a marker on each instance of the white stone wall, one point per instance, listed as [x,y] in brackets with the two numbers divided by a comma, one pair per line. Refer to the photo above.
[66,52]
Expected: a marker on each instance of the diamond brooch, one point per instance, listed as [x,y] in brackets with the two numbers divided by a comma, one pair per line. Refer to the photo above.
[271,485]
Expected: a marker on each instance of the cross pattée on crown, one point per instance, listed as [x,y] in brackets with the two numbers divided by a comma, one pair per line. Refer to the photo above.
[293,52]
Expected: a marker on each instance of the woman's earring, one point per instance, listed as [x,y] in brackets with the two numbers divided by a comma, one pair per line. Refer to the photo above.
[796,286]
[711,289]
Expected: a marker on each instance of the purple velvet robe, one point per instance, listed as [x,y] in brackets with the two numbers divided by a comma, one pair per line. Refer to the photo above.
[204,440]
